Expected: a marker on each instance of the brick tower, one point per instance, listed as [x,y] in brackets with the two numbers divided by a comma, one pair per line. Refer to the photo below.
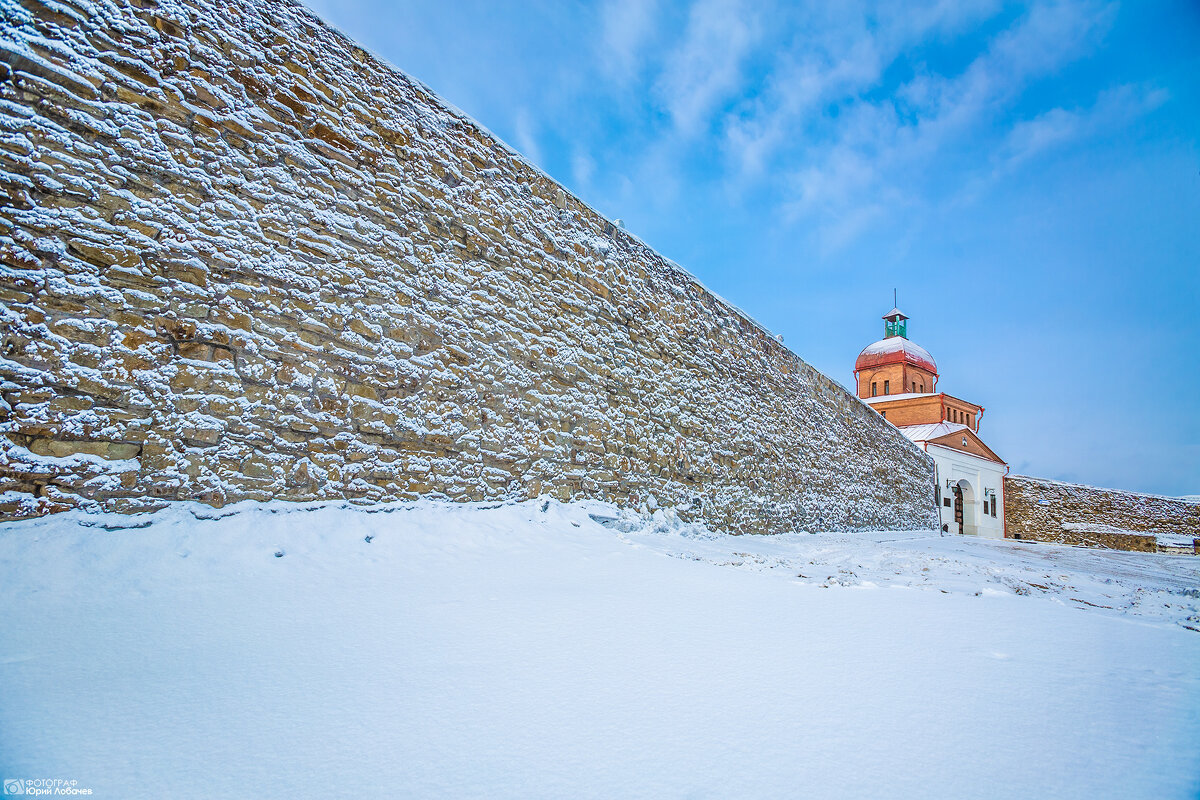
[898,379]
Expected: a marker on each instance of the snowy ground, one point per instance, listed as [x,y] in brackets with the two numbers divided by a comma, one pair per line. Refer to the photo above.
[431,650]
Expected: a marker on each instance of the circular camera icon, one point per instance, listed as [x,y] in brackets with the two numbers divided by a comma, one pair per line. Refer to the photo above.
[14,786]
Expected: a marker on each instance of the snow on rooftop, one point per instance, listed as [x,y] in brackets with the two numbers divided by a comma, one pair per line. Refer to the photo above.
[894,344]
[906,396]
[933,430]
[878,353]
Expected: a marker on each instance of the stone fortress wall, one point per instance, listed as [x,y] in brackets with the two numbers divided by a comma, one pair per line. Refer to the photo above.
[1036,509]
[244,259]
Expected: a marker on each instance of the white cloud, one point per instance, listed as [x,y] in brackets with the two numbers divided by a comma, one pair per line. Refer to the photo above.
[523,131]
[705,70]
[1113,108]
[798,87]
[1030,137]
[1049,36]
[842,55]
[896,150]
[843,176]
[583,167]
[627,26]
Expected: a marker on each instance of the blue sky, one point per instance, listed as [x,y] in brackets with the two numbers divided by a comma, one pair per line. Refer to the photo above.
[1026,175]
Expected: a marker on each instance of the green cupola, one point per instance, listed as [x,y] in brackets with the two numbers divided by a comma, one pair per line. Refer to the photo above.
[895,323]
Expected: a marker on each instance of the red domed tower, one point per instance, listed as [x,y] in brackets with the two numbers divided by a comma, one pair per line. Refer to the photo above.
[894,365]
[899,380]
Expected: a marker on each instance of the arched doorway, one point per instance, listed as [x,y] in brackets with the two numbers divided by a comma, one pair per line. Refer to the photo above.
[964,508]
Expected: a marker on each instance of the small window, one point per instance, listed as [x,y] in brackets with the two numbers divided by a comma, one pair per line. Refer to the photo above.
[874,389]
[964,441]
[993,505]
[883,414]
[946,502]
[887,387]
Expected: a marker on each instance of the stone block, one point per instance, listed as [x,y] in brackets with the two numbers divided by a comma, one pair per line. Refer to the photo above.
[64,448]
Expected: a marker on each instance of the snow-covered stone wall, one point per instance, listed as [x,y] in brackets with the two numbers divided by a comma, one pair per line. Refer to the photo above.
[243,258]
[1043,510]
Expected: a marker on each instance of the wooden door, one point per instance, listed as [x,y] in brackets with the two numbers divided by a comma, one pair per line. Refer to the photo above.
[958,507]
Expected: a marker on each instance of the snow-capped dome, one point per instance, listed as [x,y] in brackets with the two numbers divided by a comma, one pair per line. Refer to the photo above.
[895,350]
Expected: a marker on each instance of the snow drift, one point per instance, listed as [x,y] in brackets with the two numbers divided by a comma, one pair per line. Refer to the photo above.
[549,650]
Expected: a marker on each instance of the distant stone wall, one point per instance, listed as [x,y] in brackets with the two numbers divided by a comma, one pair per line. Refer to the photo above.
[1065,513]
[243,258]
